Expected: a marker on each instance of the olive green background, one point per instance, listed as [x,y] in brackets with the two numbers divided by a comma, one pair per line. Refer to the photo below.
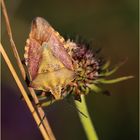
[113,24]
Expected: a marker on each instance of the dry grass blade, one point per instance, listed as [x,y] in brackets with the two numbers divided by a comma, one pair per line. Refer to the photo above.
[39,109]
[11,39]
[27,100]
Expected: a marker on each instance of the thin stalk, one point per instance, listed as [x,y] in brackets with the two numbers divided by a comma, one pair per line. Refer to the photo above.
[9,31]
[27,100]
[86,121]
[39,108]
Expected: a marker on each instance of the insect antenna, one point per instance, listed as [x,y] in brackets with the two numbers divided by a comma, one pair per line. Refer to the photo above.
[71,105]
[41,120]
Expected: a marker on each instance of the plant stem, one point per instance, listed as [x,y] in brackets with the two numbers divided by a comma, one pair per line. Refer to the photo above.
[86,121]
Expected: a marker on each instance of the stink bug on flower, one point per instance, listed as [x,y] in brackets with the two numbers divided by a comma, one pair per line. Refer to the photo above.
[64,67]
[50,66]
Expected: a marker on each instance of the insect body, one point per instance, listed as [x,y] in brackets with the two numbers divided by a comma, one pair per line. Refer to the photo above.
[50,66]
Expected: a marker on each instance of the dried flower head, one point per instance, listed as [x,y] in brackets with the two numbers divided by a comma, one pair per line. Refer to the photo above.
[86,67]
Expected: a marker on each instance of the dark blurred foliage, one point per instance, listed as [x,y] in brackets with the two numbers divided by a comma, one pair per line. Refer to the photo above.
[114,26]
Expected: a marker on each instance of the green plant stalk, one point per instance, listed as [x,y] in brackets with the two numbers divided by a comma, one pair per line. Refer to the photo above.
[86,121]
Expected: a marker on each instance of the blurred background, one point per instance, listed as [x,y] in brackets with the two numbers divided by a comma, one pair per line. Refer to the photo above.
[114,26]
